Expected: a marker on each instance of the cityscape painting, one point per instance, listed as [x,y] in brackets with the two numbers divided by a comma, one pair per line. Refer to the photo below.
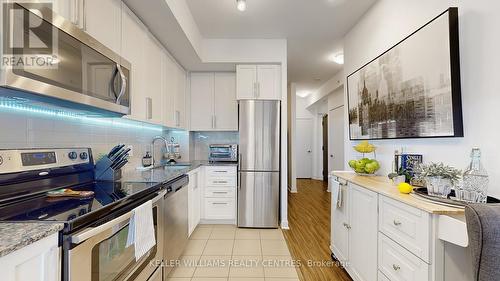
[413,89]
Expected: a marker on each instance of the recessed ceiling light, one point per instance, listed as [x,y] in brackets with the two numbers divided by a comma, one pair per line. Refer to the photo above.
[241,5]
[303,94]
[337,58]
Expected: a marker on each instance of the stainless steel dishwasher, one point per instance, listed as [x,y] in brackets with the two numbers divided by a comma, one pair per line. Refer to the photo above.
[176,221]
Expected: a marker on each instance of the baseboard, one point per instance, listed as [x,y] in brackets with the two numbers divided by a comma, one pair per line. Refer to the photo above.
[284,224]
[203,221]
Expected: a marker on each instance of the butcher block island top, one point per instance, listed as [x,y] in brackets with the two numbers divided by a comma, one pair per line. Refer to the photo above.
[384,186]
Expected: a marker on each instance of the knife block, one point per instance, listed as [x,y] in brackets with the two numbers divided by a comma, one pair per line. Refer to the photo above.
[104,172]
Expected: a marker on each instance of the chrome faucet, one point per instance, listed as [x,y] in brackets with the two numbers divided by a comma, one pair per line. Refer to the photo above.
[153,148]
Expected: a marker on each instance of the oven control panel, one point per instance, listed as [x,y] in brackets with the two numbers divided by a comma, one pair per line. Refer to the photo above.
[18,160]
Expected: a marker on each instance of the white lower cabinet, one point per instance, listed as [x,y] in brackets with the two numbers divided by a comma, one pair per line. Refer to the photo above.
[219,202]
[212,195]
[194,199]
[354,232]
[398,264]
[40,261]
[362,226]
[339,224]
[378,238]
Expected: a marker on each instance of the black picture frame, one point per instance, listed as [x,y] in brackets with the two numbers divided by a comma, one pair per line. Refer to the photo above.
[456,96]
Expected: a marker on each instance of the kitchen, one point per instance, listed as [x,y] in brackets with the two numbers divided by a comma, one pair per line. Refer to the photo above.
[149,136]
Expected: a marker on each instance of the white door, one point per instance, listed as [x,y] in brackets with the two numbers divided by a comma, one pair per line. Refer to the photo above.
[167,93]
[246,81]
[153,80]
[103,20]
[336,139]
[304,148]
[339,227]
[180,97]
[363,233]
[133,38]
[202,101]
[269,81]
[226,106]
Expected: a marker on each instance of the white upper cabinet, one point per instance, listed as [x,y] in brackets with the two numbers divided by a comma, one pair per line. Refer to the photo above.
[153,93]
[103,21]
[226,105]
[174,99]
[213,102]
[202,101]
[167,83]
[258,82]
[246,83]
[134,36]
[180,98]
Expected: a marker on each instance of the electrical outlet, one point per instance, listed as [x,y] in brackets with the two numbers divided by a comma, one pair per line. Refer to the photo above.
[131,152]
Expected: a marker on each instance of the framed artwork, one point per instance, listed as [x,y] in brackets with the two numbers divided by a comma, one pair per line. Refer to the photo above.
[413,89]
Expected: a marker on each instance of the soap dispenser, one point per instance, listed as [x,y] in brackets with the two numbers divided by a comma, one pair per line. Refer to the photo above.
[147,160]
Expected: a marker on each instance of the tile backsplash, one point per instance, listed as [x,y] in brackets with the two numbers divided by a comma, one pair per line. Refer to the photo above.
[32,130]
[201,140]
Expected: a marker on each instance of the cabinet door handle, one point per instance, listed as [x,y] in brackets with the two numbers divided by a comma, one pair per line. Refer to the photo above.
[149,108]
[396,267]
[220,181]
[219,192]
[346,225]
[218,203]
[396,222]
[177,118]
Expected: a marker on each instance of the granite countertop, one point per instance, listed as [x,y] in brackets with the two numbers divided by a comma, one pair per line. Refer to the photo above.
[14,236]
[166,173]
[383,185]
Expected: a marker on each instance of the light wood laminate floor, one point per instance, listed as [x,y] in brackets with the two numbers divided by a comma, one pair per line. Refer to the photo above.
[309,235]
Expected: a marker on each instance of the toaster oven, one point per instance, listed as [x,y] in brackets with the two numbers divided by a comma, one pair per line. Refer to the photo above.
[223,153]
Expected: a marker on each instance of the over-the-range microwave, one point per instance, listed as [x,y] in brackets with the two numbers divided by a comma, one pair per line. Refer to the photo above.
[44,54]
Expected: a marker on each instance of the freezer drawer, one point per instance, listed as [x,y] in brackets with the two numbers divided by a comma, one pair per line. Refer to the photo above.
[258,199]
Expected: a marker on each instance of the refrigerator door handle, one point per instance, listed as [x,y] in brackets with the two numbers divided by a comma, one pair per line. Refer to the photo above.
[239,181]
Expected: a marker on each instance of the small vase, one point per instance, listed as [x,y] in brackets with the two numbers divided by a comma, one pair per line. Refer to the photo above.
[438,186]
[399,179]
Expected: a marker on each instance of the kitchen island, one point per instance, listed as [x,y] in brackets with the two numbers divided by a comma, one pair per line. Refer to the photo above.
[380,234]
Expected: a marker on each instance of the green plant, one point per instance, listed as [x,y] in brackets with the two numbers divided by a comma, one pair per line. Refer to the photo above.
[401,172]
[438,170]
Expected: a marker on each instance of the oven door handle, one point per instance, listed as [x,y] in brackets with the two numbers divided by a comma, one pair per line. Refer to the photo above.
[93,231]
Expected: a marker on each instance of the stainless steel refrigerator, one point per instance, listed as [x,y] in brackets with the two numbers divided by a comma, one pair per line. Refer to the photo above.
[259,164]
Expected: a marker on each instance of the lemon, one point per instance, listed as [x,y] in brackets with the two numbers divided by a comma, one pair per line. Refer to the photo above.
[405,188]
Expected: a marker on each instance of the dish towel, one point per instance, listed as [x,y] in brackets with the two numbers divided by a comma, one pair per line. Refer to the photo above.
[141,231]
[483,228]
[336,193]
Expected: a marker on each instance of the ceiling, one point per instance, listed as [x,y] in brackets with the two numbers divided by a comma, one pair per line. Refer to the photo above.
[313,28]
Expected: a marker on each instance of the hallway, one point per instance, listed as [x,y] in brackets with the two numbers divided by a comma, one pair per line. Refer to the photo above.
[309,235]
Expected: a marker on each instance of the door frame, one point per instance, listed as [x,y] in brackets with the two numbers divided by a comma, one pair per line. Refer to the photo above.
[324,147]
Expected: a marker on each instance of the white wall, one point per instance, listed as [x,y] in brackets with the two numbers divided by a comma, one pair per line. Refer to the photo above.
[386,23]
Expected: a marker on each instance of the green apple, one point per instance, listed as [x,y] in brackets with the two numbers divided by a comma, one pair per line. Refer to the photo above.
[352,164]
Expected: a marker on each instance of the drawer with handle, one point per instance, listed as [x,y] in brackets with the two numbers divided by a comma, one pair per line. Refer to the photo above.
[220,208]
[221,181]
[408,226]
[220,192]
[398,264]
[220,171]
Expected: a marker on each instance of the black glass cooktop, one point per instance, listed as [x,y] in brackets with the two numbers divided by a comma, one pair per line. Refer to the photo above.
[77,211]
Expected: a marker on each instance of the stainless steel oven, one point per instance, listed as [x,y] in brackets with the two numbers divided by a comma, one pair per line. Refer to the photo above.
[65,63]
[100,252]
[223,153]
